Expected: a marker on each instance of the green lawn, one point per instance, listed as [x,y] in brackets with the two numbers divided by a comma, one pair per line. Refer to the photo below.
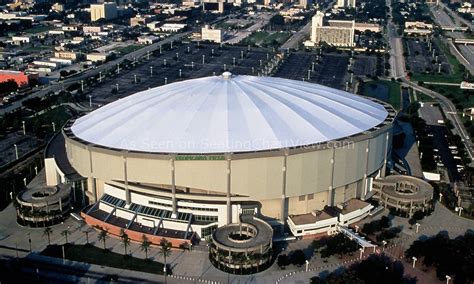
[38,29]
[420,97]
[95,255]
[37,48]
[461,98]
[458,69]
[266,38]
[387,91]
[58,115]
[127,49]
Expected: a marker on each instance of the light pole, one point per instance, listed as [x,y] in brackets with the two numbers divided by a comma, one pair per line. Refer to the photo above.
[82,85]
[29,240]
[459,210]
[24,129]
[384,243]
[90,101]
[447,279]
[361,250]
[54,126]
[417,227]
[356,228]
[307,264]
[414,261]
[440,197]
[16,150]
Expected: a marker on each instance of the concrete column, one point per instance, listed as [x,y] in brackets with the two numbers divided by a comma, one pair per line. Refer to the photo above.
[229,203]
[93,189]
[125,179]
[284,209]
[74,191]
[384,168]
[330,201]
[364,187]
[83,193]
[92,178]
[173,190]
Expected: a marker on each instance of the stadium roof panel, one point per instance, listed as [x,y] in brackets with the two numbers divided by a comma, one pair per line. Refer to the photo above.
[228,114]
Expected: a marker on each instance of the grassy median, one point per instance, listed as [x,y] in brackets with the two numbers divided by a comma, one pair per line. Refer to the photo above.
[95,255]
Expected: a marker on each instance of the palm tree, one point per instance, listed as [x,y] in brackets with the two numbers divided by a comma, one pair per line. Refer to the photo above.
[125,240]
[103,235]
[165,251]
[145,245]
[47,232]
[65,233]
[184,246]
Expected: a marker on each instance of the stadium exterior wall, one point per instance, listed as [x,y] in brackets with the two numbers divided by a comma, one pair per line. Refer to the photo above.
[298,180]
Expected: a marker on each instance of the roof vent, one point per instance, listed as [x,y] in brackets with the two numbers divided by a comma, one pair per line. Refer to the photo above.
[226,75]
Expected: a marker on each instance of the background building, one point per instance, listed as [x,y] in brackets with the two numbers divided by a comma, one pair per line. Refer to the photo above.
[337,33]
[305,4]
[19,77]
[106,11]
[210,34]
[346,3]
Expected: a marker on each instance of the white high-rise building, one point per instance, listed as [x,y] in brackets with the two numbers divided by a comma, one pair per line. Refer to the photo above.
[305,4]
[107,10]
[346,3]
[337,33]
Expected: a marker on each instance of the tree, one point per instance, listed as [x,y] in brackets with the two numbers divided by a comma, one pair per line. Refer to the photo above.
[103,235]
[8,86]
[65,233]
[418,215]
[145,246]
[277,20]
[283,261]
[125,240]
[184,246]
[298,258]
[47,232]
[165,250]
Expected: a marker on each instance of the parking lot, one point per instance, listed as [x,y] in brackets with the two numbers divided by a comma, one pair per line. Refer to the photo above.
[421,59]
[24,144]
[444,155]
[330,70]
[182,62]
[364,65]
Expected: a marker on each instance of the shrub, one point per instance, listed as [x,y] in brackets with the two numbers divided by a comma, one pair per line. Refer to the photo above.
[283,260]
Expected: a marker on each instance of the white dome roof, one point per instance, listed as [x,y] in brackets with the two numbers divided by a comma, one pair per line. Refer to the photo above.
[225,114]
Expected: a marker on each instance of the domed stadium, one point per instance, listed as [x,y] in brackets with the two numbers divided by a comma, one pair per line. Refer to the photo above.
[182,159]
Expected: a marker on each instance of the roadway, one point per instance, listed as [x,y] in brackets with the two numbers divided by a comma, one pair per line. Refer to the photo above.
[456,16]
[397,62]
[57,86]
[259,24]
[303,33]
[298,37]
[445,17]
